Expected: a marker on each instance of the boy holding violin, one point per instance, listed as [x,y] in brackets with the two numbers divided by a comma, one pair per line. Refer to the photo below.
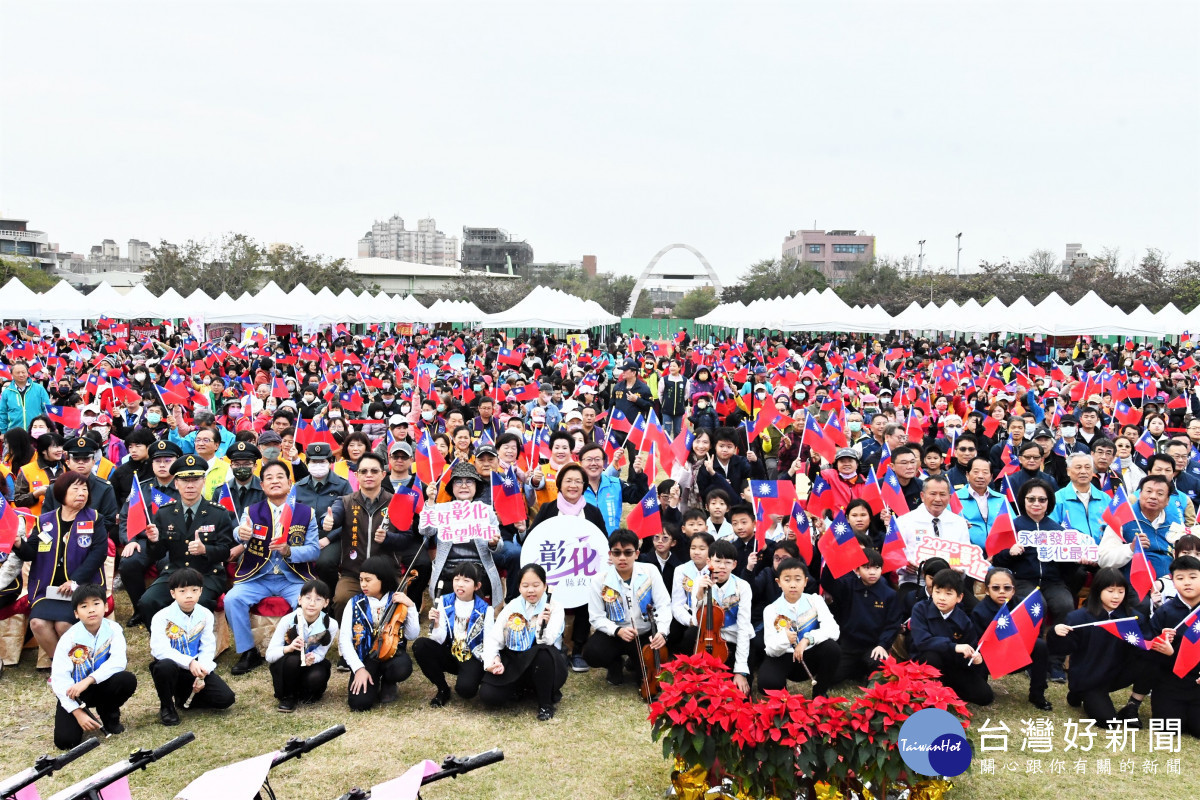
[621,603]
[732,597]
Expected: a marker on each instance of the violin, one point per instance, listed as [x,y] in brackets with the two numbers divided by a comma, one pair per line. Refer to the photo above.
[652,661]
[710,618]
[391,626]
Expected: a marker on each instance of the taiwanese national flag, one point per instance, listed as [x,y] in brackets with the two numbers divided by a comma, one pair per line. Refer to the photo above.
[285,517]
[800,524]
[1127,630]
[1002,535]
[894,557]
[991,425]
[406,503]
[429,462]
[351,400]
[1007,644]
[158,499]
[1145,445]
[646,519]
[507,498]
[833,431]
[1141,574]
[279,389]
[1119,512]
[768,416]
[9,523]
[840,548]
[776,496]
[506,356]
[885,459]
[137,516]
[820,497]
[762,524]
[223,498]
[893,494]
[681,447]
[637,433]
[1126,414]
[815,438]
[871,492]
[1187,645]
[67,416]
[1180,401]
[526,393]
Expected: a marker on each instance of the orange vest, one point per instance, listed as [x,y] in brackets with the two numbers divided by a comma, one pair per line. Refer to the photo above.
[35,476]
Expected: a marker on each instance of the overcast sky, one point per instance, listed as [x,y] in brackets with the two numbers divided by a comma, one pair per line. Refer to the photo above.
[609,128]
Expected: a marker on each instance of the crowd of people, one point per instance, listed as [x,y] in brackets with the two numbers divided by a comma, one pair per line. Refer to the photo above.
[219,475]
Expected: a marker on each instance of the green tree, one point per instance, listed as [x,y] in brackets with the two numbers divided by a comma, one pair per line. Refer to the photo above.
[696,303]
[644,307]
[289,266]
[784,277]
[27,271]
[489,294]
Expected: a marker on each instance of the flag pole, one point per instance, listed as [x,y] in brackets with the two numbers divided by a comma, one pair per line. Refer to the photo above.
[1103,622]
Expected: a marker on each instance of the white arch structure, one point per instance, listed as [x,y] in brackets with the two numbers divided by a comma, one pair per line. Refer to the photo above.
[648,273]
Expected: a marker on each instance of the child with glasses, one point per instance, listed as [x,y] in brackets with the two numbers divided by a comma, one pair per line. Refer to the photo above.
[621,603]
[1001,591]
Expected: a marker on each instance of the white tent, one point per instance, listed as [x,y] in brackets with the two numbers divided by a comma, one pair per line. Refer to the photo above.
[550,308]
[17,300]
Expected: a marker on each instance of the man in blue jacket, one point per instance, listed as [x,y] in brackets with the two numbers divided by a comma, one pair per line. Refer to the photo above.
[1080,505]
[980,503]
[22,399]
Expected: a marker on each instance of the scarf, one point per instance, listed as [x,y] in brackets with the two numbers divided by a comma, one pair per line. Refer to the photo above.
[569,509]
[519,629]
[615,601]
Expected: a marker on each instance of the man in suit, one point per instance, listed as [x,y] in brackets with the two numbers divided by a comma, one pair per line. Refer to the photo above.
[191,532]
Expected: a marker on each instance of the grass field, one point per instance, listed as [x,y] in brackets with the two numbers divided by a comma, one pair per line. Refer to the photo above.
[598,746]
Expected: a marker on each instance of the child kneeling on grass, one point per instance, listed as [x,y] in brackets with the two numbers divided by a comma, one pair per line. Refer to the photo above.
[799,635]
[88,671]
[184,648]
[373,680]
[460,622]
[296,654]
[943,636]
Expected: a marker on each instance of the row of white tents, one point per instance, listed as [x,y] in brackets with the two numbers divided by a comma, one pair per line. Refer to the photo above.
[1053,316]
[550,308]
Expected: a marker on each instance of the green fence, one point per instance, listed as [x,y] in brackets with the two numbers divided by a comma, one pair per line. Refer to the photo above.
[653,328]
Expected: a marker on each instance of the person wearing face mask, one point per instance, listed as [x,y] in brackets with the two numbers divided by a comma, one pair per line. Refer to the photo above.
[429,421]
[318,490]
[310,403]
[111,450]
[704,414]
[136,467]
[233,415]
[844,479]
[158,489]
[245,488]
[270,444]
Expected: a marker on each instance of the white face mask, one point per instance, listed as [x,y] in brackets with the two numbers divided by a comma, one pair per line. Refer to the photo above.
[1068,431]
[102,430]
[1029,429]
[318,469]
[335,414]
[141,376]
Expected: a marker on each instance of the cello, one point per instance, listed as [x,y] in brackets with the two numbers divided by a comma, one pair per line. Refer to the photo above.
[651,661]
[391,626]
[710,619]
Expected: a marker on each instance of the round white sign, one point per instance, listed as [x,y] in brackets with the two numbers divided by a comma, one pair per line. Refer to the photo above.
[573,551]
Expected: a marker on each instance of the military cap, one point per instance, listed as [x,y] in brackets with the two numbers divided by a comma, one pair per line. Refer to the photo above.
[189,466]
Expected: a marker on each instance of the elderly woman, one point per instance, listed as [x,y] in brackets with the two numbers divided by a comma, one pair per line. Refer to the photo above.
[67,549]
[465,485]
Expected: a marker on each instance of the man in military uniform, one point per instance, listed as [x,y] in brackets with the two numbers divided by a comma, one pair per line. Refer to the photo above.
[191,532]
[81,457]
[245,488]
[157,491]
[280,543]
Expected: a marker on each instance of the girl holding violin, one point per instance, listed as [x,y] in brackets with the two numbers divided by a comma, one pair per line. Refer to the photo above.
[374,676]
[730,622]
[619,608]
[521,652]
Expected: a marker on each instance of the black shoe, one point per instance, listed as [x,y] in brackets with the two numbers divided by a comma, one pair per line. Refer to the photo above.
[167,714]
[342,666]
[1130,712]
[390,693]
[249,660]
[1040,702]
[1074,700]
[441,698]
[545,713]
[616,676]
[136,619]
[287,705]
[112,723]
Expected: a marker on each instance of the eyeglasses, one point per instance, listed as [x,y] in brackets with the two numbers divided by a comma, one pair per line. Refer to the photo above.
[370,472]
[1006,588]
[1037,500]
[401,456]
[625,553]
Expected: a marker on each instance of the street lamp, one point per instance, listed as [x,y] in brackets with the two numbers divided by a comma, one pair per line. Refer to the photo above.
[921,256]
[958,257]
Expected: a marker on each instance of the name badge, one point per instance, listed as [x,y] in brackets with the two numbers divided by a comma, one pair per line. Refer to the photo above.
[44,547]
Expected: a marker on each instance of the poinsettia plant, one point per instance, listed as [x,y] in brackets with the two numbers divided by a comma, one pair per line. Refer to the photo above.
[784,743]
